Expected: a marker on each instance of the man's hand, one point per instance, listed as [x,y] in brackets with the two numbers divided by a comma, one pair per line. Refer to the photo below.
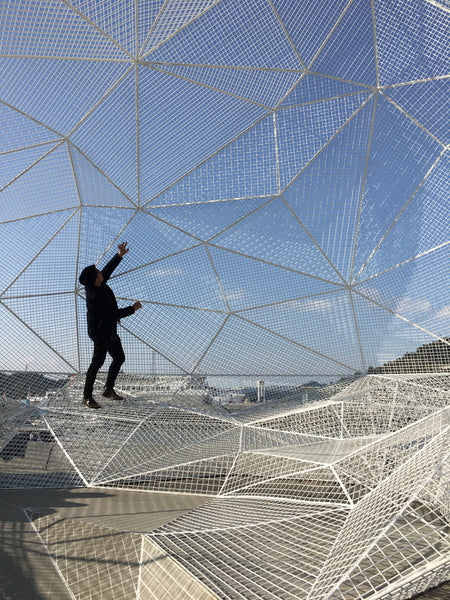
[137,306]
[123,248]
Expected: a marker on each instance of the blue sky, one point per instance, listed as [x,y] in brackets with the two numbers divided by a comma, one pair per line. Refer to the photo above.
[280,172]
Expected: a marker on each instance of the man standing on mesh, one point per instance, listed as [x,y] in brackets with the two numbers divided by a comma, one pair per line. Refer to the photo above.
[103,314]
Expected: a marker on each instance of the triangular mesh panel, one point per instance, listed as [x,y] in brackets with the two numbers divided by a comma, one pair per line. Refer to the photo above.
[279,171]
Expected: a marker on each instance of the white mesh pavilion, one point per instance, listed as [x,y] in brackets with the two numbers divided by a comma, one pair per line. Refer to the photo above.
[279,170]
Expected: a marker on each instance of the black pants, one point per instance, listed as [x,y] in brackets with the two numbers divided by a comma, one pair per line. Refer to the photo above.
[115,350]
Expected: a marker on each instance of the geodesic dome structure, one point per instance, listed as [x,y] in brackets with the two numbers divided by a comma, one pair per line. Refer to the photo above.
[280,172]
[339,499]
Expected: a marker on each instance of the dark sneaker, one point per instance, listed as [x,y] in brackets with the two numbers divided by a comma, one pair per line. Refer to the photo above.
[111,393]
[90,402]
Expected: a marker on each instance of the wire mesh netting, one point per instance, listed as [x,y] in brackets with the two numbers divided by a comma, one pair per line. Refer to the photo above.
[279,171]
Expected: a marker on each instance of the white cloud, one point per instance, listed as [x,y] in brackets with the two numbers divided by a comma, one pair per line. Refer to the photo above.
[167,272]
[235,295]
[316,305]
[412,306]
[444,312]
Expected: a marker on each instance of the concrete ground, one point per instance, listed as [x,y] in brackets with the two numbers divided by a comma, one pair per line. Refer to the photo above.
[442,592]
[26,570]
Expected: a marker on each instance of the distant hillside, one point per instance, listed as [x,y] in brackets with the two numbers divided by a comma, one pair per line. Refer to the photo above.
[432,357]
[28,383]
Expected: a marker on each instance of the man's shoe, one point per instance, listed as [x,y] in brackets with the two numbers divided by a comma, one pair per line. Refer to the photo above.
[90,402]
[111,393]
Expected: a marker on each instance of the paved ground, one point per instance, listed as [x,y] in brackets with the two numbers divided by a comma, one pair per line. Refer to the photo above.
[123,510]
[26,571]
[441,592]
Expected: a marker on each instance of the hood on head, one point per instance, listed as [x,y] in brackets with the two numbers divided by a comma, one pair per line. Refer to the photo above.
[88,275]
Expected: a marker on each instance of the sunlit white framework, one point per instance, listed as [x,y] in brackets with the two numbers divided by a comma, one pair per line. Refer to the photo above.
[280,171]
[344,498]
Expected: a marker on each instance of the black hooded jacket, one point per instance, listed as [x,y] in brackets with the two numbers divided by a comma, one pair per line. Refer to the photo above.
[103,314]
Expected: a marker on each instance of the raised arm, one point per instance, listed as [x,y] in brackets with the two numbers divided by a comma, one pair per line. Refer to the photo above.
[122,249]
[113,263]
[110,266]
